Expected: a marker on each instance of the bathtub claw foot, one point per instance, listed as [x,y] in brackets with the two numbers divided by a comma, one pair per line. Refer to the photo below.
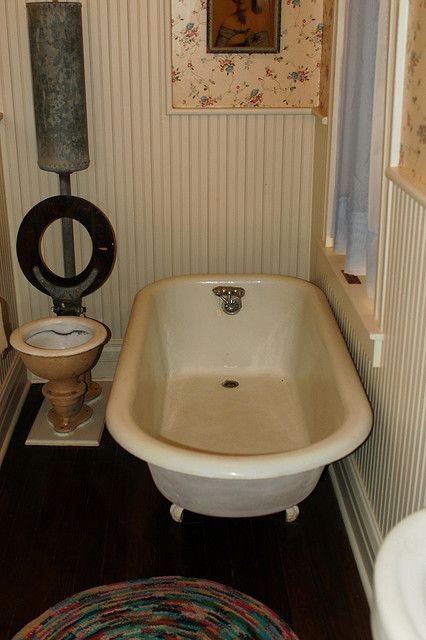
[291,513]
[176,512]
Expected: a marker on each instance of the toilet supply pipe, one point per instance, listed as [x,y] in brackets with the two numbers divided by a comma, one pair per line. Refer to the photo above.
[67,229]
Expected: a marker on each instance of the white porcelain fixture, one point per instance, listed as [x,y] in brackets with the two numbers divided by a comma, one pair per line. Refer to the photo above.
[236,415]
[399,607]
[61,350]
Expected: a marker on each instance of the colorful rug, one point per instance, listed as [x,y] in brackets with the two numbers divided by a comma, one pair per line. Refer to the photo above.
[162,608]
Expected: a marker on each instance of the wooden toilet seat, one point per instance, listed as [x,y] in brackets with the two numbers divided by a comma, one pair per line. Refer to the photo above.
[32,229]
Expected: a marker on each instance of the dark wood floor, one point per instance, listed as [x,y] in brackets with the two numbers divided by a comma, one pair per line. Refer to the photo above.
[73,518]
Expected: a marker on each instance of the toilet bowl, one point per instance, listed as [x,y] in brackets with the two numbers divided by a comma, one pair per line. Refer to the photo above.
[60,350]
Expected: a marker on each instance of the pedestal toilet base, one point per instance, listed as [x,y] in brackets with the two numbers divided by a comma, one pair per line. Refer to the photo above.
[73,423]
[93,392]
[94,389]
[87,434]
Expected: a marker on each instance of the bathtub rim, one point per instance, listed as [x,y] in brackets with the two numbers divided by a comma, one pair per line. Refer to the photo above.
[352,432]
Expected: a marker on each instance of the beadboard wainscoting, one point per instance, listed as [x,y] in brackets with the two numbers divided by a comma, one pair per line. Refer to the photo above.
[185,193]
[13,377]
[385,479]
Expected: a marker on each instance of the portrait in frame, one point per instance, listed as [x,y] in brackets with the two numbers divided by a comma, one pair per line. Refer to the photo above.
[243,26]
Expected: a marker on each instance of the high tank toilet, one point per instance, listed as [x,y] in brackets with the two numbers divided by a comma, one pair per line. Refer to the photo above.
[63,349]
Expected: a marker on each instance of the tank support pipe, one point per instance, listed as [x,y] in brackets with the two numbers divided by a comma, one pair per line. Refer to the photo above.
[67,229]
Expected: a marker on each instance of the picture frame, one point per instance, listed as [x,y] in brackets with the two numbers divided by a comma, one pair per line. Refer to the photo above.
[243,26]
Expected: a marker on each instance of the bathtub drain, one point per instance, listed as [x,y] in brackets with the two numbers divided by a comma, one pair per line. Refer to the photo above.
[230,384]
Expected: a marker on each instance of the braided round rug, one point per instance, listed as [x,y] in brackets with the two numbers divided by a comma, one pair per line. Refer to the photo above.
[162,608]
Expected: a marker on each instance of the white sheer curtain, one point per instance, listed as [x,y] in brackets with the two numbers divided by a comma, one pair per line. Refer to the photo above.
[359,159]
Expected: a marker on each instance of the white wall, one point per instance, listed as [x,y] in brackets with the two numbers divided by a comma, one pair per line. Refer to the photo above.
[385,480]
[185,193]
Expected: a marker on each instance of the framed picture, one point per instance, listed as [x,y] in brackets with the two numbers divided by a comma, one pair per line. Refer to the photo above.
[243,26]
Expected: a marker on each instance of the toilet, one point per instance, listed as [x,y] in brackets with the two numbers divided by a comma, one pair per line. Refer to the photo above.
[63,349]
[60,350]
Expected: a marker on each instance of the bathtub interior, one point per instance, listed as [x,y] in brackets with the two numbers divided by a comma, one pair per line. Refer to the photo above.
[287,395]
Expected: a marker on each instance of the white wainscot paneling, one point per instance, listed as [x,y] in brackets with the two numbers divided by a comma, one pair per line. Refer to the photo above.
[185,193]
[385,480]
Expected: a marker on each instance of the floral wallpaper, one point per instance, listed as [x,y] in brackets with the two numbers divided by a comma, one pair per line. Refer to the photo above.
[327,43]
[413,134]
[290,78]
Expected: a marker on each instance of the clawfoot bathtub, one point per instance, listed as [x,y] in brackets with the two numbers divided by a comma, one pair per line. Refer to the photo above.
[235,404]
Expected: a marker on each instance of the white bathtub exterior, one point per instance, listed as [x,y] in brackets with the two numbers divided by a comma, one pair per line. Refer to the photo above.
[235,498]
[224,462]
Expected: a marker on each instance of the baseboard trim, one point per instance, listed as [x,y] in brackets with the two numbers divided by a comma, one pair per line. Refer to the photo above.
[361,525]
[12,395]
[105,368]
